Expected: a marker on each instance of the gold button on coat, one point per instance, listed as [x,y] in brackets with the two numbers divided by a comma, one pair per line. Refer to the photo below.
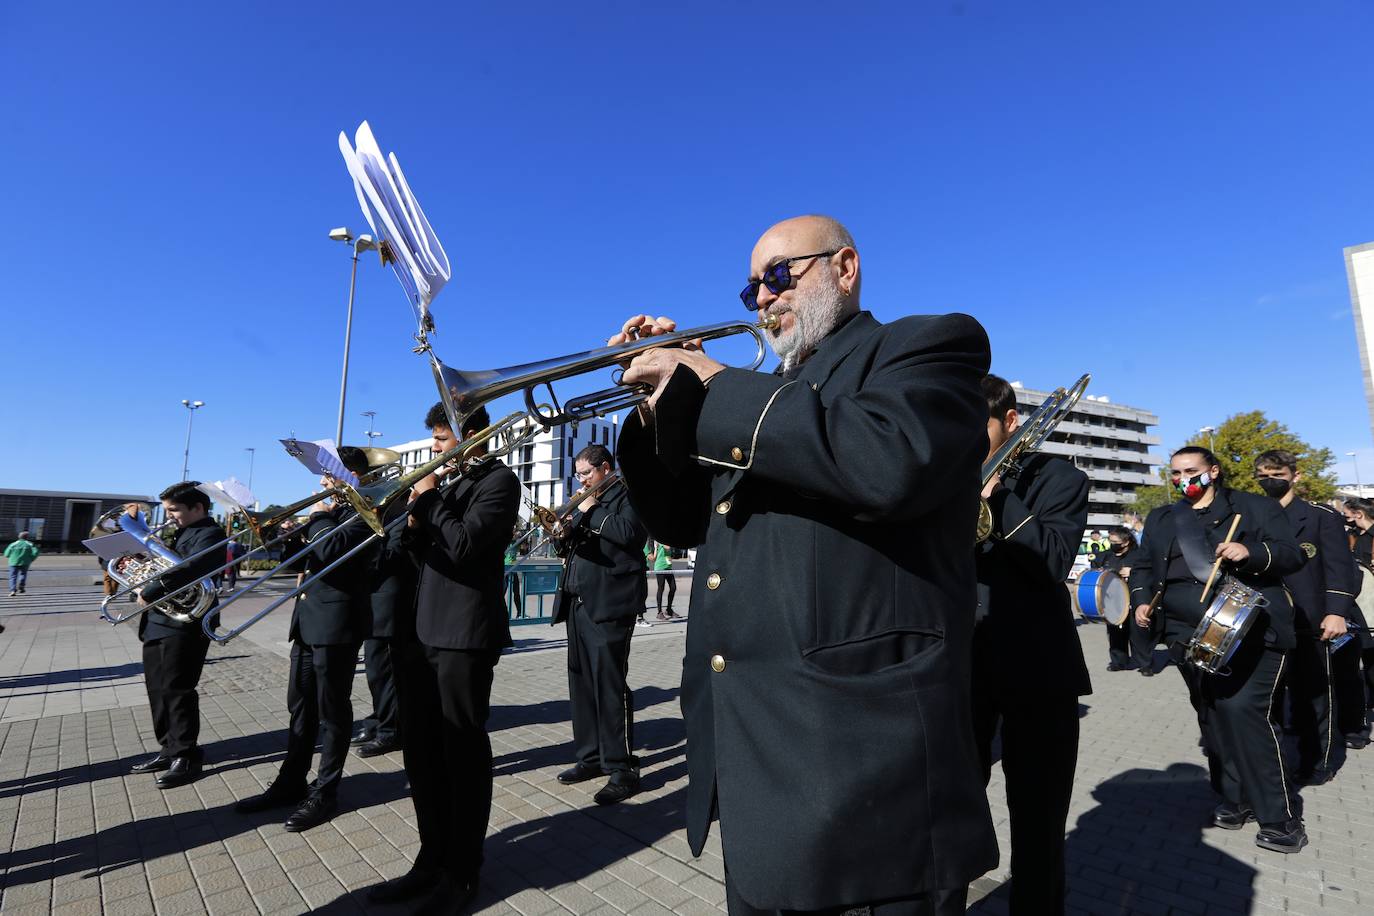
[713,581]
[723,507]
[737,453]
[717,663]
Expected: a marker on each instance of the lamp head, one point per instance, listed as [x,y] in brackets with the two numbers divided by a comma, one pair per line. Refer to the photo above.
[341,234]
[364,243]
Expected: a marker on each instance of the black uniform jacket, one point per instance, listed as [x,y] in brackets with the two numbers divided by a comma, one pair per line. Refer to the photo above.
[1329,579]
[1274,553]
[190,541]
[825,683]
[459,541]
[334,610]
[1363,552]
[1111,562]
[1024,610]
[394,577]
[605,551]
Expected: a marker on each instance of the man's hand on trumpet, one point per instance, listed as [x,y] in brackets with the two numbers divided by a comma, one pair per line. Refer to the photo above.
[654,367]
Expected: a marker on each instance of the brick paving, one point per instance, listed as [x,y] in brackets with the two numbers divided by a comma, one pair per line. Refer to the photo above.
[79,834]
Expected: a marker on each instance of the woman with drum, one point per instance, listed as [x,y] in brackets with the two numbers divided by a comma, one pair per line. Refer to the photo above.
[1121,648]
[1213,564]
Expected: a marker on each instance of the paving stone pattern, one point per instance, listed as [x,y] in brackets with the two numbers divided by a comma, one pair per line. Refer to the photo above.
[79,834]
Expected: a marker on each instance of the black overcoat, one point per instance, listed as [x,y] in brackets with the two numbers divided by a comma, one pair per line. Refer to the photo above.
[605,556]
[1329,579]
[1025,612]
[335,609]
[393,580]
[190,541]
[825,683]
[1274,553]
[459,541]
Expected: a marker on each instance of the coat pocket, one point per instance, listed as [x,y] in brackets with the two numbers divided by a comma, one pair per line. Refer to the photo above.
[875,652]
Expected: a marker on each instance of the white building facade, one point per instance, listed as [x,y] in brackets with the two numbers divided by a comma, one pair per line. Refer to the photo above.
[1108,442]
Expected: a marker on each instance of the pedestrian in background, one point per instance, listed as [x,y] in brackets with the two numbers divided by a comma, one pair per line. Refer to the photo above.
[20,554]
[656,555]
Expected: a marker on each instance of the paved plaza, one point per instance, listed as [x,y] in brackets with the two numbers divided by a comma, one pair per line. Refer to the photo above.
[82,836]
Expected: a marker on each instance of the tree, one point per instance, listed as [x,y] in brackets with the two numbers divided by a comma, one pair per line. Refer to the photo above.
[1148,499]
[1239,440]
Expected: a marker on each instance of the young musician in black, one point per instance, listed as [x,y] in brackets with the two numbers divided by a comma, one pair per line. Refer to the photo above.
[1179,549]
[1122,648]
[1039,511]
[604,590]
[174,651]
[458,537]
[1355,688]
[1323,592]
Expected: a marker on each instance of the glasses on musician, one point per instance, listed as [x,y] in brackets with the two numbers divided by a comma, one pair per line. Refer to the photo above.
[778,278]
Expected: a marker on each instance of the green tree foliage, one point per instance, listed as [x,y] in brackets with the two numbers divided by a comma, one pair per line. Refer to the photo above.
[1147,499]
[1244,436]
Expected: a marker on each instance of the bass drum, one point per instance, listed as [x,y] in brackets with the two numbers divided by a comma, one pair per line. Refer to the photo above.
[1102,596]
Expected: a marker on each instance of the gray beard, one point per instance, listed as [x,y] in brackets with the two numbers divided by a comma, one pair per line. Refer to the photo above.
[814,317]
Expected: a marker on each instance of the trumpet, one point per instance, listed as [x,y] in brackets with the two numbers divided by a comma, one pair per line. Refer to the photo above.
[554,522]
[464,391]
[1027,437]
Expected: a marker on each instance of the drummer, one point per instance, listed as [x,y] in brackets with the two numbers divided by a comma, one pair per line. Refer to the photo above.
[1117,559]
[1180,549]
[1024,625]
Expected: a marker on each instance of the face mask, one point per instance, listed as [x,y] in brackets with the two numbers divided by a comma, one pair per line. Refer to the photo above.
[1193,489]
[1118,549]
[1275,486]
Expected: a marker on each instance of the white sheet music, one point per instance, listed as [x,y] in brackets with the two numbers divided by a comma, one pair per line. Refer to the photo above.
[320,457]
[114,545]
[394,214]
[229,493]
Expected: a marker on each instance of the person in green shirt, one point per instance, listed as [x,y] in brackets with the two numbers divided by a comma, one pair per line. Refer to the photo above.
[20,554]
[656,555]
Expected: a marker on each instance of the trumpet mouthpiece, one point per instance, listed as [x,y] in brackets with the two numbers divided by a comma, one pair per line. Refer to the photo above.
[769,322]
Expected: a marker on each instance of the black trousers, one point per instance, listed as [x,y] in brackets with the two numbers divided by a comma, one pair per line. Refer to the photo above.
[318,699]
[1235,714]
[603,717]
[1121,650]
[381,682]
[667,580]
[937,903]
[1144,639]
[1307,688]
[171,671]
[1039,757]
[1348,687]
[445,702]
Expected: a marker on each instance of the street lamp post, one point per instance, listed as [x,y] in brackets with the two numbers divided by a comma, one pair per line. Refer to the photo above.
[192,407]
[360,243]
[1359,487]
[1211,439]
[252,453]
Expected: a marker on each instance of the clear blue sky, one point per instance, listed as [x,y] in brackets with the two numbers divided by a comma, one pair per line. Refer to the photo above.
[1158,194]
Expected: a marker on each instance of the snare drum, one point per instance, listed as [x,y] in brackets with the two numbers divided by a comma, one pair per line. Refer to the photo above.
[1233,610]
[1102,595]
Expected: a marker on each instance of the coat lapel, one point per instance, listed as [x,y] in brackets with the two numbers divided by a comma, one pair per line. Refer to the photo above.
[832,351]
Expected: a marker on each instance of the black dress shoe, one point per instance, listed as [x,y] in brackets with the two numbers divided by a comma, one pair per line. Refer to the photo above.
[450,895]
[376,748]
[580,773]
[412,884]
[1232,817]
[1287,836]
[152,765]
[1147,672]
[313,812]
[1113,666]
[617,790]
[184,769]
[1357,742]
[275,797]
[362,736]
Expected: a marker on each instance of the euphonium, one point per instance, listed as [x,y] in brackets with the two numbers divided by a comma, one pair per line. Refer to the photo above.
[1028,436]
[133,571]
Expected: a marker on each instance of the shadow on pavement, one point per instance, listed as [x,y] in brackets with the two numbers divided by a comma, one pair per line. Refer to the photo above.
[1141,850]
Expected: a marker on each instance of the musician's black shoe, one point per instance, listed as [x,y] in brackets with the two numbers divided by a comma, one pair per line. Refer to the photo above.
[1113,666]
[363,736]
[184,769]
[412,884]
[621,787]
[152,765]
[377,748]
[1357,742]
[450,895]
[314,811]
[1316,776]
[1232,817]
[579,773]
[1286,836]
[1147,672]
[275,797]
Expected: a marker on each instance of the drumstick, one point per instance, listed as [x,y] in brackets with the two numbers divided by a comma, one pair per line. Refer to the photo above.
[1235,523]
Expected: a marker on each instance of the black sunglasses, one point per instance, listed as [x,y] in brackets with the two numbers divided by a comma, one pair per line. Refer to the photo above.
[777,278]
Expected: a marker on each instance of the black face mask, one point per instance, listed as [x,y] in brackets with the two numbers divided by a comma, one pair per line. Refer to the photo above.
[1276,487]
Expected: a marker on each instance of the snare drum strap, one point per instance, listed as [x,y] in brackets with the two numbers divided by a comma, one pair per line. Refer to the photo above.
[1192,541]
